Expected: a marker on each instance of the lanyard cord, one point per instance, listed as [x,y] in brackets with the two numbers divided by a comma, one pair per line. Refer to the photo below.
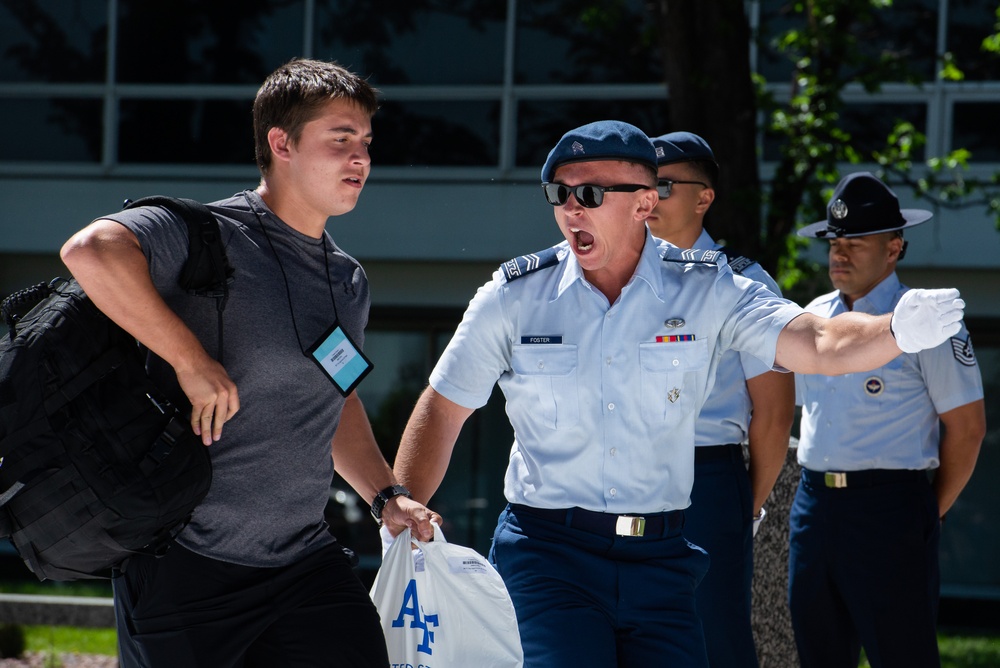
[284,277]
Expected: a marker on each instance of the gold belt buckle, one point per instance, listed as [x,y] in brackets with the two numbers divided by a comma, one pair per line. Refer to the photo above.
[627,525]
[835,480]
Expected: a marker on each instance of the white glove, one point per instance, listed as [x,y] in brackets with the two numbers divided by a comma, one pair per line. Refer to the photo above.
[758,519]
[926,318]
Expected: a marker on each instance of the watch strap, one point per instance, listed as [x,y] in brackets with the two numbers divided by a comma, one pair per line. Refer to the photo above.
[378,503]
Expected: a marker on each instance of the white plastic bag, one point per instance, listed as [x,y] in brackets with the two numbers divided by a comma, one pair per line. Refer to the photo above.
[444,606]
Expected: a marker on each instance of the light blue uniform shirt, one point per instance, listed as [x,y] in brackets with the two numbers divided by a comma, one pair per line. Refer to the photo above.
[603,413]
[725,417]
[887,418]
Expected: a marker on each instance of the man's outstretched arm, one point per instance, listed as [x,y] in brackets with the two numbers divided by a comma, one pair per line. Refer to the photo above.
[852,342]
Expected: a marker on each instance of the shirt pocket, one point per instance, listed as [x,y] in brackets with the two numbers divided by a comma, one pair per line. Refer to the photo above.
[549,374]
[668,377]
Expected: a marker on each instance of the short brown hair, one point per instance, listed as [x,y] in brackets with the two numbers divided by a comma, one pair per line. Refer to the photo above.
[293,94]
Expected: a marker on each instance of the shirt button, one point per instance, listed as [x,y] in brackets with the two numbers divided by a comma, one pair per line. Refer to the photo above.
[611,406]
[608,361]
[541,365]
[613,491]
[614,452]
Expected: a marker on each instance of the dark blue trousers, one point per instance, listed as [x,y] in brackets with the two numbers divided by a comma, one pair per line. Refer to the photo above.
[185,610]
[585,599]
[720,520]
[863,570]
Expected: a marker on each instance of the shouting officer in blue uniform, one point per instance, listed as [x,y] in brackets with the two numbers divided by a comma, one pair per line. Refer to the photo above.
[863,567]
[605,347]
[749,403]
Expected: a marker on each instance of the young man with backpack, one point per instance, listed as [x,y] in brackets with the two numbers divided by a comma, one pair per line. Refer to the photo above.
[256,578]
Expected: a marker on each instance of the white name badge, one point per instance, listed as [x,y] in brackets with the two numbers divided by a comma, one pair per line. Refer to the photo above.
[338,357]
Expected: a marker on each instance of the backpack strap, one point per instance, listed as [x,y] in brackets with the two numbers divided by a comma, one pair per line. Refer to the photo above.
[207,272]
[17,305]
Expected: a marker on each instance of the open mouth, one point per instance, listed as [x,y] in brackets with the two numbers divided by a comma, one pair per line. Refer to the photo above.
[584,240]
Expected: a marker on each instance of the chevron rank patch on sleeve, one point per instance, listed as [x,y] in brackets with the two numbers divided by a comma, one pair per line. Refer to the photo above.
[962,348]
[526,264]
[685,255]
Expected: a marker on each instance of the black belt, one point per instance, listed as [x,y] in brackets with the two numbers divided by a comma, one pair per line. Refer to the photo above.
[712,453]
[606,524]
[866,478]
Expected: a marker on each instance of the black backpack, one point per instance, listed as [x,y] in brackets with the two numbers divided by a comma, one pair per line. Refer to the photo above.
[95,463]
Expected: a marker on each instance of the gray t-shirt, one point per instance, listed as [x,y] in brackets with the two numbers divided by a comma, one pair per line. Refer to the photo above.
[272,467]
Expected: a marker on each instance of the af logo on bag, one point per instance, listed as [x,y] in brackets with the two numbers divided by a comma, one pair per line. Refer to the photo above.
[444,606]
[411,610]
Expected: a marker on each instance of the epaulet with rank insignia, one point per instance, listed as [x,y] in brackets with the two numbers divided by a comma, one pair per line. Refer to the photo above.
[686,255]
[738,263]
[526,264]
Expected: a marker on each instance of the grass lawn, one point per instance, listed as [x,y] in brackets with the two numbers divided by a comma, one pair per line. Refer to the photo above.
[66,639]
[966,649]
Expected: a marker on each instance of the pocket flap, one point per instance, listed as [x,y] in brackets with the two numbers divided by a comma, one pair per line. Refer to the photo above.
[543,360]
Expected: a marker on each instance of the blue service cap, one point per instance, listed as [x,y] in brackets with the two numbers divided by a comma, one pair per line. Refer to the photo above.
[603,140]
[682,147]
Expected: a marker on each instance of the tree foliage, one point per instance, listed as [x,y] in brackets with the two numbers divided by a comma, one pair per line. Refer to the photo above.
[825,46]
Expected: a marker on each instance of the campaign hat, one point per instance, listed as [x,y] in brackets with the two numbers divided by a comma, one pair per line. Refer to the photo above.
[861,205]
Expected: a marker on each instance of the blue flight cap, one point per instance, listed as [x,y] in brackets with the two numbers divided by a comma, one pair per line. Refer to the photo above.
[603,140]
[682,147]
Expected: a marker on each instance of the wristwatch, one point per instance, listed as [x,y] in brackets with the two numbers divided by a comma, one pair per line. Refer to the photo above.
[378,504]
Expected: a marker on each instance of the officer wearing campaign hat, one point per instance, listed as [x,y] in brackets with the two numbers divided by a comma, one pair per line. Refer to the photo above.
[748,404]
[863,566]
[604,347]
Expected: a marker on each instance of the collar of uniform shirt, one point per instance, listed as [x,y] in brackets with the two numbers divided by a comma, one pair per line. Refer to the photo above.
[882,297]
[648,270]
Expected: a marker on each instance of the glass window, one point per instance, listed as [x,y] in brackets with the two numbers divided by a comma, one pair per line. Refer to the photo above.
[869,126]
[542,122]
[974,127]
[58,130]
[400,42]
[903,35]
[186,131]
[206,42]
[447,132]
[606,41]
[969,22]
[53,40]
